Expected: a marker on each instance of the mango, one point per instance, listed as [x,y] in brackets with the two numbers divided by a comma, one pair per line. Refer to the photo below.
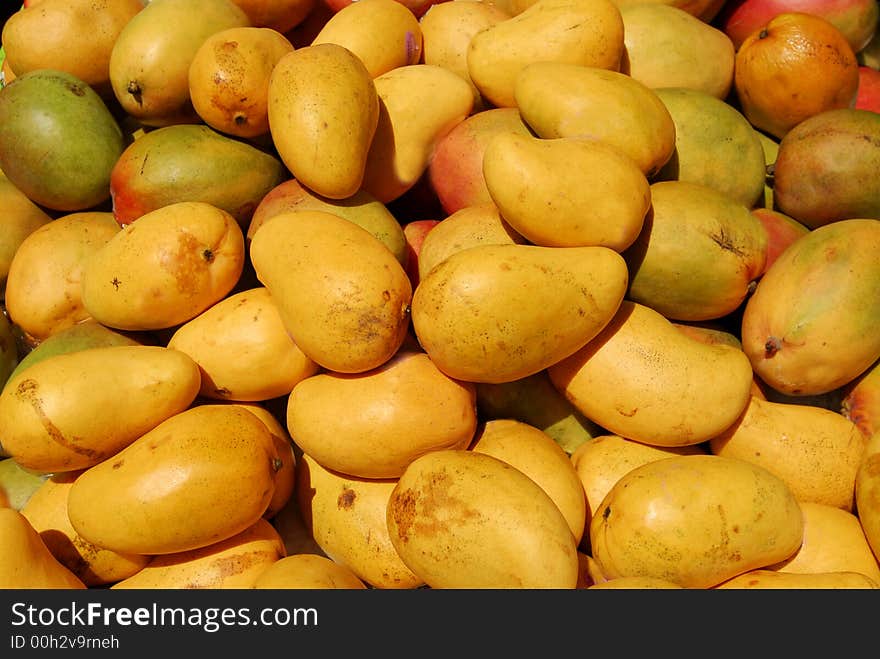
[373,424]
[151,56]
[343,296]
[418,105]
[323,111]
[179,260]
[75,36]
[20,218]
[308,571]
[508,532]
[557,99]
[18,484]
[567,192]
[9,357]
[860,400]
[71,411]
[586,33]
[224,460]
[642,378]
[698,255]
[815,451]
[44,295]
[356,25]
[52,112]
[715,145]
[496,313]
[695,520]
[191,163]
[791,325]
[346,515]
[25,561]
[867,493]
[824,169]
[280,15]
[776,580]
[362,208]
[667,46]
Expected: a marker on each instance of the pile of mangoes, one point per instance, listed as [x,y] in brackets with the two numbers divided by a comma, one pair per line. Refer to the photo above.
[401,294]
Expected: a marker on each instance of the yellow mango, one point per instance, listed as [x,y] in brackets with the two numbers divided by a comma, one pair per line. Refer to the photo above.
[21,217]
[228,79]
[308,571]
[46,510]
[480,224]
[867,493]
[773,580]
[558,99]
[642,378]
[25,561]
[816,451]
[150,59]
[43,293]
[72,411]
[462,519]
[605,459]
[346,517]
[418,105]
[356,25]
[234,562]
[534,453]
[343,296]
[243,349]
[373,424]
[179,260]
[323,111]
[585,33]
[567,192]
[695,520]
[635,583]
[447,30]
[496,313]
[199,477]
[834,541]
[666,46]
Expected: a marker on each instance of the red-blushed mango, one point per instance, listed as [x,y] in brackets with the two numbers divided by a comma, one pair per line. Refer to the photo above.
[567,192]
[557,99]
[463,519]
[816,451]
[791,324]
[201,476]
[695,520]
[642,378]
[343,296]
[323,113]
[280,15]
[587,33]
[455,171]
[373,424]
[346,517]
[495,313]
[782,231]
[72,411]
[860,401]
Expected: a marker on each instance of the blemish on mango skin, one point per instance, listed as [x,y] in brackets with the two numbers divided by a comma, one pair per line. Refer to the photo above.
[346,500]
[28,390]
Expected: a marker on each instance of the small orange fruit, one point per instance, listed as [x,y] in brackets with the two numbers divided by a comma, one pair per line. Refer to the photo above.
[793,67]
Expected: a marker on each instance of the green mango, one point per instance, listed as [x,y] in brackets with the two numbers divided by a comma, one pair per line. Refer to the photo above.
[58,140]
[192,162]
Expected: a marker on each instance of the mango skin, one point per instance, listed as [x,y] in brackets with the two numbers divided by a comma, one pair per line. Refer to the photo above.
[775,580]
[507,532]
[825,168]
[695,520]
[791,324]
[21,217]
[71,411]
[75,126]
[867,493]
[222,458]
[26,561]
[187,162]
